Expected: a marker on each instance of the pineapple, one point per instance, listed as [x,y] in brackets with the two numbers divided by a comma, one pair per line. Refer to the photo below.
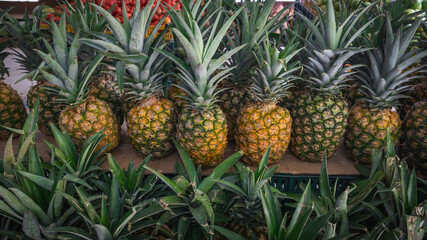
[104,85]
[264,123]
[28,37]
[151,118]
[414,135]
[383,82]
[320,117]
[201,128]
[83,115]
[12,109]
[251,27]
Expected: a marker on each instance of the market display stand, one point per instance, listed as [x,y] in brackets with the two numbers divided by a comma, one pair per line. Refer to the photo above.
[340,164]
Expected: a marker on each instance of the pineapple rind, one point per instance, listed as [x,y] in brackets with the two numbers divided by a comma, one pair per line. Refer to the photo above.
[12,110]
[367,131]
[203,134]
[414,135]
[151,127]
[259,126]
[49,110]
[83,120]
[319,125]
[105,87]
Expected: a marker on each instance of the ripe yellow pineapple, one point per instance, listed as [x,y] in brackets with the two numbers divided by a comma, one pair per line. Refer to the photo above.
[12,110]
[151,118]
[201,128]
[82,116]
[383,82]
[264,123]
[250,28]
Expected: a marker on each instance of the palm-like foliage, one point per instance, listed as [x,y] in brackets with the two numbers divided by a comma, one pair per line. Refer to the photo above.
[384,80]
[70,77]
[135,185]
[190,204]
[28,197]
[26,37]
[199,65]
[138,64]
[106,217]
[250,28]
[244,205]
[84,165]
[87,20]
[395,204]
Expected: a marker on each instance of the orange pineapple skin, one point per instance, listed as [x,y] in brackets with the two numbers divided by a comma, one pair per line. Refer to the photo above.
[367,130]
[151,127]
[203,135]
[12,110]
[83,120]
[259,126]
[49,110]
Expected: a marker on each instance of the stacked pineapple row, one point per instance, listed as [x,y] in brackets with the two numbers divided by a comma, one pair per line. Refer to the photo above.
[231,72]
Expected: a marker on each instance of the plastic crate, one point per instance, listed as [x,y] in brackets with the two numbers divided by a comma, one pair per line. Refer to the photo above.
[290,183]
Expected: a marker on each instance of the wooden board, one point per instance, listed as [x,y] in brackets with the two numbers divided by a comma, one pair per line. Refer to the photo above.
[340,164]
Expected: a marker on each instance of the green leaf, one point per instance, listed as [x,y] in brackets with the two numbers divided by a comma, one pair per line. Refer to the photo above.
[230,235]
[218,172]
[30,226]
[167,181]
[43,182]
[188,164]
[102,233]
[32,206]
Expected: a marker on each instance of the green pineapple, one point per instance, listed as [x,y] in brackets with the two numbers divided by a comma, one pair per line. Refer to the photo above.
[202,127]
[151,118]
[383,84]
[320,117]
[82,115]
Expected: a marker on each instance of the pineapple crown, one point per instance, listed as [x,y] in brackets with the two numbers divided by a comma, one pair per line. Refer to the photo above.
[251,27]
[70,78]
[327,69]
[384,80]
[197,68]
[86,19]
[139,68]
[332,33]
[331,48]
[26,37]
[273,77]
